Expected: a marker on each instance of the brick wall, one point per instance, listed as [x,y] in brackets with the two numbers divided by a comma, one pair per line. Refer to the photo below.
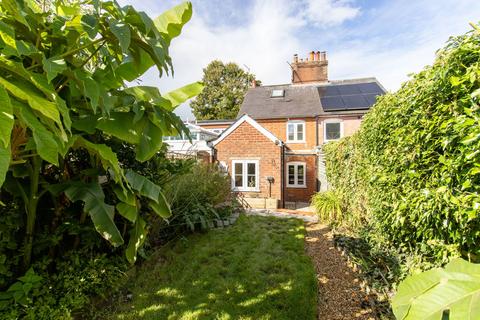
[246,142]
[350,125]
[278,127]
[302,194]
[310,71]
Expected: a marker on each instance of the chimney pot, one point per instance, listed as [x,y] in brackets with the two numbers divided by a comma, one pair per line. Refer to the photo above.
[295,58]
[324,56]
[312,69]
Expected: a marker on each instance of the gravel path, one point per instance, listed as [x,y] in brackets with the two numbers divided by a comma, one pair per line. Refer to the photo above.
[340,295]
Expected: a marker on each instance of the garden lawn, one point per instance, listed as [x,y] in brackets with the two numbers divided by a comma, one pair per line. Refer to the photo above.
[256,269]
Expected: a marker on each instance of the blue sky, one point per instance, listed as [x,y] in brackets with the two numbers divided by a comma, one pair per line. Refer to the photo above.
[385,39]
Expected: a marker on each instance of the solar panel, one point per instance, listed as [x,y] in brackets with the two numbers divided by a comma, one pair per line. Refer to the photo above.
[356,101]
[371,87]
[333,103]
[329,91]
[349,89]
[371,98]
[357,96]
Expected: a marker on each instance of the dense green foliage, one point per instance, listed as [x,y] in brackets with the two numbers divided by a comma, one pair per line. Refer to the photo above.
[449,293]
[63,71]
[411,175]
[255,269]
[225,88]
[81,152]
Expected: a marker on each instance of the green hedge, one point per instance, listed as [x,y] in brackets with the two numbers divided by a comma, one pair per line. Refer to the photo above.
[412,172]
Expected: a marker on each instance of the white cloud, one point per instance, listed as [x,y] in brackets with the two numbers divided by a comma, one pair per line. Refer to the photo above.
[330,12]
[388,41]
[264,45]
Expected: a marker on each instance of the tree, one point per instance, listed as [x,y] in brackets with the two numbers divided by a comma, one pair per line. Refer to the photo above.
[63,74]
[223,93]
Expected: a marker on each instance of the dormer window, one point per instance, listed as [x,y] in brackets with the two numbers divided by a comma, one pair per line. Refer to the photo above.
[278,93]
[296,131]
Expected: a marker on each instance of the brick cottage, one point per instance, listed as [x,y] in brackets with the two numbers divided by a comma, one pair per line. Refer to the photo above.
[273,151]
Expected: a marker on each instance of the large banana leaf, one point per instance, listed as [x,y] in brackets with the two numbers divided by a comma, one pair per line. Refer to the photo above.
[180,95]
[107,157]
[102,214]
[171,22]
[143,185]
[5,155]
[47,146]
[6,117]
[150,142]
[453,291]
[137,238]
[148,189]
[25,92]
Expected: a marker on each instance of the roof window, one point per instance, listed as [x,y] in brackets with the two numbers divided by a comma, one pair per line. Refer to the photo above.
[278,93]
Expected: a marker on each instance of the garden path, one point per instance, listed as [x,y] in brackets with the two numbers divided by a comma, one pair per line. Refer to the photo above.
[340,294]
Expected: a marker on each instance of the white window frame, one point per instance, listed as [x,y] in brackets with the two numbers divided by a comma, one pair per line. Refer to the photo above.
[325,129]
[245,163]
[278,93]
[295,131]
[296,164]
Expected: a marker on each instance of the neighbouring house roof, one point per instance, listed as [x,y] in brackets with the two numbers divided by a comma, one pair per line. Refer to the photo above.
[253,123]
[219,121]
[311,100]
[196,128]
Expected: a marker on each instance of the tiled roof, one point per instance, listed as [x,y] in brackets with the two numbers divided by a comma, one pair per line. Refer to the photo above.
[334,97]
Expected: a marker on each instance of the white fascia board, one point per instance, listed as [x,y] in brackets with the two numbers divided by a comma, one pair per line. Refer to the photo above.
[253,123]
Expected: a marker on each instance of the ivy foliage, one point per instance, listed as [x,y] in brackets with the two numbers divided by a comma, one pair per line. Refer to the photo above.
[412,172]
[64,70]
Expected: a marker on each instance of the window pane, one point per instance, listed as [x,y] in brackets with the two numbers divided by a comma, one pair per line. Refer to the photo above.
[251,168]
[291,174]
[238,168]
[251,181]
[291,133]
[299,131]
[332,131]
[300,173]
[238,180]
[238,172]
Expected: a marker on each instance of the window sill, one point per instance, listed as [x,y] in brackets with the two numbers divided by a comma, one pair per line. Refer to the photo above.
[297,187]
[295,141]
[245,190]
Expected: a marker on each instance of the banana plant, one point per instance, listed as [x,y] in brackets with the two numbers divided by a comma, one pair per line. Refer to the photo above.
[65,71]
[452,293]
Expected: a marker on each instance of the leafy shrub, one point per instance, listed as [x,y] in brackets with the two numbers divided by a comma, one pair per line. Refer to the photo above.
[60,293]
[413,169]
[328,206]
[11,223]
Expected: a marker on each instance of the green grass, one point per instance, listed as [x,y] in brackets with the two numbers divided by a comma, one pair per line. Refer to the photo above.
[256,269]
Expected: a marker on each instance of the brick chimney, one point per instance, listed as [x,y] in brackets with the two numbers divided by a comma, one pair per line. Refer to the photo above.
[313,69]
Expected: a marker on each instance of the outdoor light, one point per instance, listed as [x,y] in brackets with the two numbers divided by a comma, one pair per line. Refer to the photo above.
[270,180]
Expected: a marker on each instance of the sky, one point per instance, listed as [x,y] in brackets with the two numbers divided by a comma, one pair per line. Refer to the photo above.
[388,40]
